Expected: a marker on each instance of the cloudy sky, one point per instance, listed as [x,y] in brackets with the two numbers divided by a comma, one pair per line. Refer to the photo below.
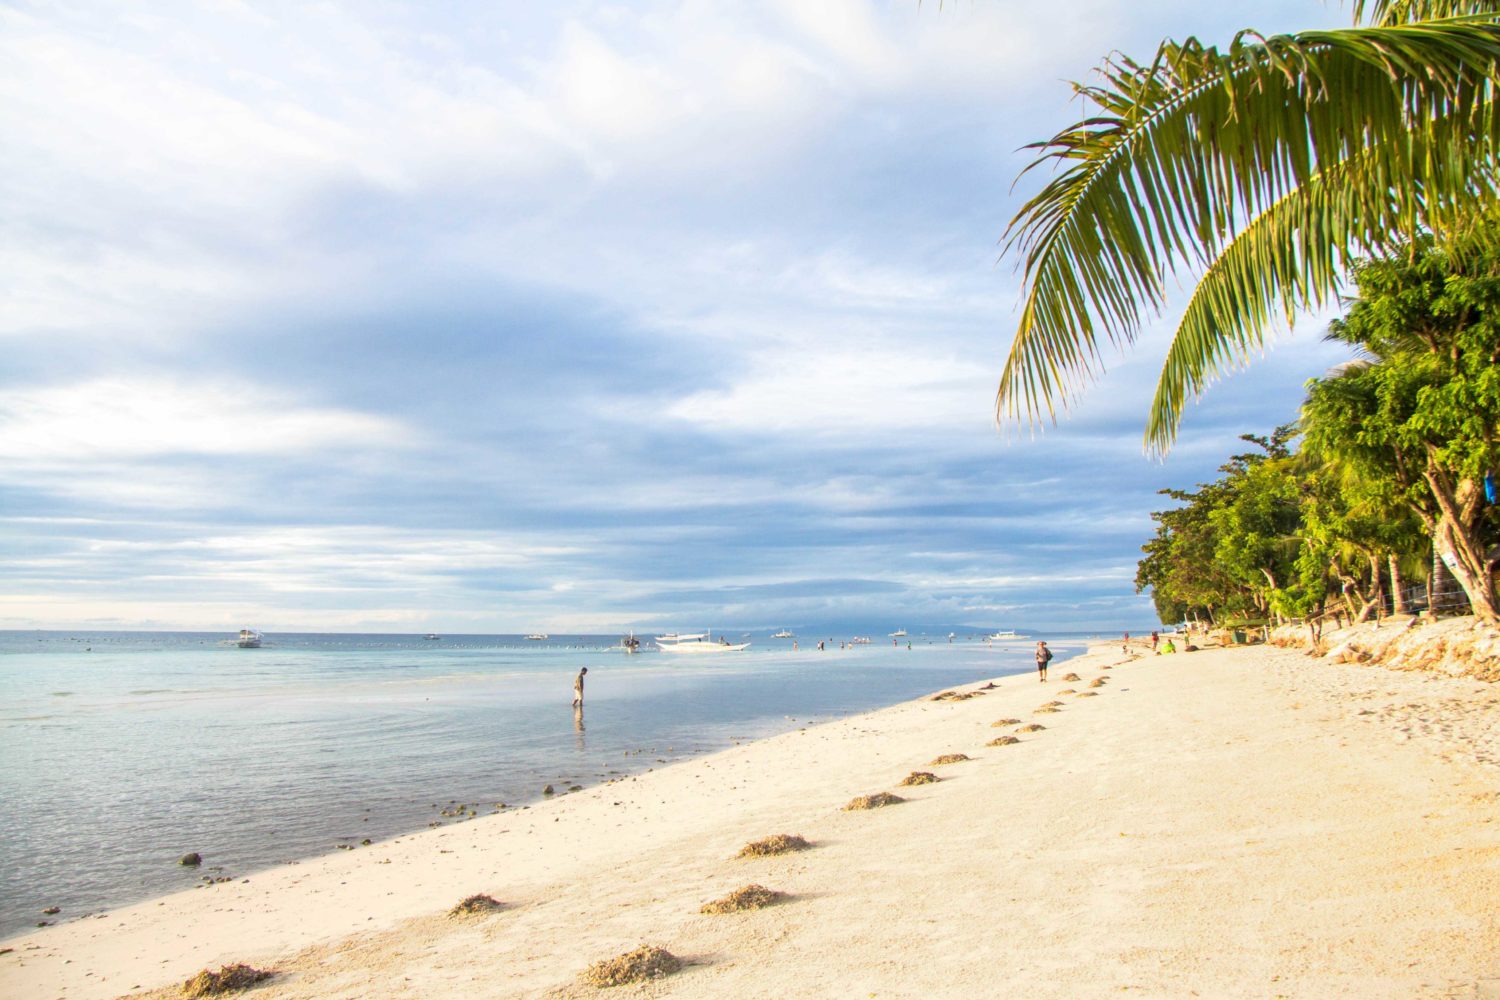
[574,316]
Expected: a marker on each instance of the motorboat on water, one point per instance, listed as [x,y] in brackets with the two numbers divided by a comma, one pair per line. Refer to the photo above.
[538,636]
[785,634]
[701,642]
[248,639]
[432,635]
[900,633]
[631,644]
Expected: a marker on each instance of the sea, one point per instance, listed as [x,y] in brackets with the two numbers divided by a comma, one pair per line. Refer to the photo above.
[121,752]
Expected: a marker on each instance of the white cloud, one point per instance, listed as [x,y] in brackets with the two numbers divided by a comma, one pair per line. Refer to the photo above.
[123,418]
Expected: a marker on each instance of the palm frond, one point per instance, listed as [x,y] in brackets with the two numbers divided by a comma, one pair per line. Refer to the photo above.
[1189,148]
[1292,257]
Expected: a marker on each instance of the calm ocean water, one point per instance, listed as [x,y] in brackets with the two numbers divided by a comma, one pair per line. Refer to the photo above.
[123,751]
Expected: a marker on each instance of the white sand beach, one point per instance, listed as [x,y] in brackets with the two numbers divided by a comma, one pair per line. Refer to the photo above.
[1226,823]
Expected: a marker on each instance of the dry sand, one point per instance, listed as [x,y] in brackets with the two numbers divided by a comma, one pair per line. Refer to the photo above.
[1225,823]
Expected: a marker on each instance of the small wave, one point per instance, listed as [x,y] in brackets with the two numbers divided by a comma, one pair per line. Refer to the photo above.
[61,694]
[153,691]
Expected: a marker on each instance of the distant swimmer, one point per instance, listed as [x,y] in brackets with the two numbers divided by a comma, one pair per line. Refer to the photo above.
[1043,656]
[578,688]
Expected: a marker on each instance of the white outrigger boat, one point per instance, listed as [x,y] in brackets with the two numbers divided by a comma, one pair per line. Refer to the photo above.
[785,634]
[1004,634]
[698,643]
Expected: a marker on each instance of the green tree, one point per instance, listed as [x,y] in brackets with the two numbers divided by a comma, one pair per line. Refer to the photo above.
[1270,165]
[1422,416]
[1231,549]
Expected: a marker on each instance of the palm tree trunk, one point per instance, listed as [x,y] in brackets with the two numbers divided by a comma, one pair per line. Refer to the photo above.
[1398,600]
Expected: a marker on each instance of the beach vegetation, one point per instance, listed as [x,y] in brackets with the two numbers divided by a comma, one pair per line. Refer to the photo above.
[781,843]
[641,965]
[229,979]
[1395,476]
[750,897]
[1267,167]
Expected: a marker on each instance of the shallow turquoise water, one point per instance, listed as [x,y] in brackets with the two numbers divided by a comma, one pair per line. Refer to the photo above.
[123,751]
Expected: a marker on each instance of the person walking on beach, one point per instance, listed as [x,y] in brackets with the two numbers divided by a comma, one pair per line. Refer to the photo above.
[1155,638]
[578,688]
[1043,655]
[1125,645]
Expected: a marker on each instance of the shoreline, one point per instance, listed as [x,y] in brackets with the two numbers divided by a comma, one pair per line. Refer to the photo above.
[1106,852]
[360,745]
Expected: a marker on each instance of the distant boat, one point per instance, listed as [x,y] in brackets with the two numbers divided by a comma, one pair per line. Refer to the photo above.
[631,644]
[699,643]
[538,636]
[784,634]
[900,633]
[1004,634]
[248,639]
[860,640]
[432,635]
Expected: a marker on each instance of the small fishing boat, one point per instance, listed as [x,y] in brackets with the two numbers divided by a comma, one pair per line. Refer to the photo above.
[248,639]
[784,634]
[538,636]
[631,644]
[698,643]
[432,635]
[900,633]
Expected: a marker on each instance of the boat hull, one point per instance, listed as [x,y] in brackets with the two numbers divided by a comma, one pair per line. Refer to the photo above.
[702,647]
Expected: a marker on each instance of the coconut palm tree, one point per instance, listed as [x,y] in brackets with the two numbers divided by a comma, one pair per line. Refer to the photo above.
[1269,166]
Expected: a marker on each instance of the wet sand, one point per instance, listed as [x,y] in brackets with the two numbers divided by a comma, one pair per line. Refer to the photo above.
[1225,823]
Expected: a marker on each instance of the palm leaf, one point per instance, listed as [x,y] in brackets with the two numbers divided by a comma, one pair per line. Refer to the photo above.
[1189,148]
[1290,258]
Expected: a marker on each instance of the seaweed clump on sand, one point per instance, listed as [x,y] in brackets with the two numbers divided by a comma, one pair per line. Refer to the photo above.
[955,696]
[228,979]
[920,778]
[1035,727]
[1097,682]
[1071,677]
[750,897]
[475,904]
[875,801]
[781,843]
[1088,694]
[1004,722]
[948,758]
[1045,710]
[1067,691]
[1002,741]
[646,962]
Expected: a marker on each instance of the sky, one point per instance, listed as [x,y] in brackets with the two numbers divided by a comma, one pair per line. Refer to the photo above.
[572,317]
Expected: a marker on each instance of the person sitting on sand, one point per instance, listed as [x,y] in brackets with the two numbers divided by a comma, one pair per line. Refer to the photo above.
[578,688]
[1167,647]
[1043,654]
